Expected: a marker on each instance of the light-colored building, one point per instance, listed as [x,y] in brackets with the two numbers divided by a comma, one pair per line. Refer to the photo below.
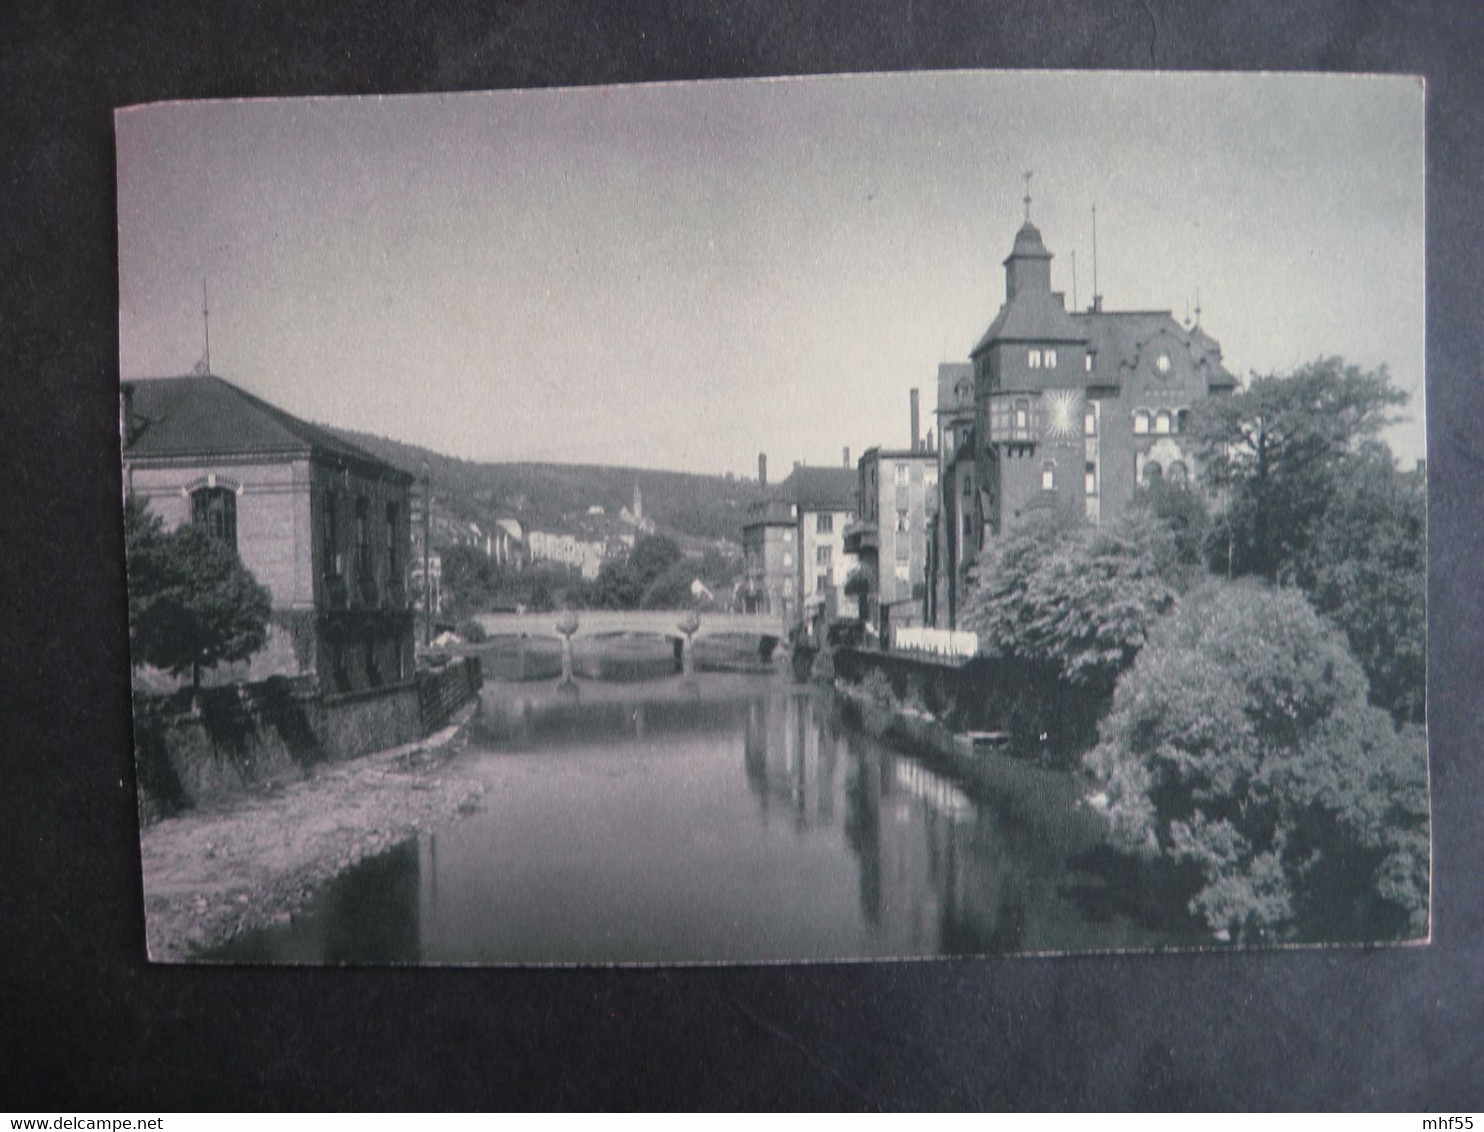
[322,524]
[825,503]
[898,506]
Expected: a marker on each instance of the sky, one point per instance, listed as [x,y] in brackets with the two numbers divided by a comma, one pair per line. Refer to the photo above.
[684,275]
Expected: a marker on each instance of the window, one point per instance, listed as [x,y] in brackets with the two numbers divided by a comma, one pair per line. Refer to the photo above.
[788,587]
[824,523]
[1152,471]
[1182,420]
[363,557]
[1033,359]
[788,559]
[1179,474]
[1090,478]
[331,535]
[1141,422]
[788,535]
[393,559]
[1022,416]
[1162,422]
[1087,362]
[823,555]
[1162,363]
[821,582]
[215,508]
[1050,359]
[904,524]
[1090,420]
[902,475]
[1048,476]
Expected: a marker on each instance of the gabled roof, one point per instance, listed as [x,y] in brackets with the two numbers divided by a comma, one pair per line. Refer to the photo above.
[821,489]
[949,376]
[205,416]
[1118,337]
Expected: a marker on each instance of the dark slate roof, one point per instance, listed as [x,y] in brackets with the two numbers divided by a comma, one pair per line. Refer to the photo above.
[821,489]
[204,416]
[949,375]
[1032,317]
[1028,244]
[1119,336]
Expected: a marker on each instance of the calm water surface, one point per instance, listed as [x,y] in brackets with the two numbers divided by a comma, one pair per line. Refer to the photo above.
[725,818]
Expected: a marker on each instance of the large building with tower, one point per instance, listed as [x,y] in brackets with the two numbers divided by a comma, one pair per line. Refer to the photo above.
[1071,411]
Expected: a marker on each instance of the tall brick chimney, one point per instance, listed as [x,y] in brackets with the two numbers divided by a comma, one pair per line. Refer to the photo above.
[762,469]
[847,456]
[916,424]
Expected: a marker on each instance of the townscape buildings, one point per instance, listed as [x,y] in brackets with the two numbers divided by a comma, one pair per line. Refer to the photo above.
[1056,409]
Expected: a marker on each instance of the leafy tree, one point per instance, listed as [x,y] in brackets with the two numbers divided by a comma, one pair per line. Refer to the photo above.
[1182,511]
[1240,748]
[1081,599]
[652,556]
[861,584]
[1366,570]
[1277,450]
[192,603]
[671,590]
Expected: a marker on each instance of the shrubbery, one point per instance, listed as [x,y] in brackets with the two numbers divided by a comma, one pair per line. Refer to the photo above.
[1240,747]
[473,631]
[1080,598]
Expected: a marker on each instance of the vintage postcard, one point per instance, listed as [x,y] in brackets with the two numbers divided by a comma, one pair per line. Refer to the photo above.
[889,516]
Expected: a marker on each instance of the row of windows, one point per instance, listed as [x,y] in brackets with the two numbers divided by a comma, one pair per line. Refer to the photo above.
[1160,421]
[362,564]
[1044,358]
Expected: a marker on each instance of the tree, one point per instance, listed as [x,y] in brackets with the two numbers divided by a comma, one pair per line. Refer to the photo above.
[1240,749]
[1277,450]
[861,584]
[1366,570]
[1081,599]
[652,556]
[192,603]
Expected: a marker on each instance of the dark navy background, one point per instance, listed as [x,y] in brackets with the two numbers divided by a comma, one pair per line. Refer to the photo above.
[86,1023]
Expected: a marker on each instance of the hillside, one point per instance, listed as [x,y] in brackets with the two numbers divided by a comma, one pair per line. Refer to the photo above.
[557,497]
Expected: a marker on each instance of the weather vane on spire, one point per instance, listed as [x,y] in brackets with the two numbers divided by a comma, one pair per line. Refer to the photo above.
[1027,177]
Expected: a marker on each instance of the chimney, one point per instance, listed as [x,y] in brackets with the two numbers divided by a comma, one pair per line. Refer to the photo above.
[126,413]
[916,439]
[762,469]
[846,457]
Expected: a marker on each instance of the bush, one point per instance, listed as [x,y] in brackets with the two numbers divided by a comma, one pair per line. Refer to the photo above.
[1240,748]
[473,631]
[1081,599]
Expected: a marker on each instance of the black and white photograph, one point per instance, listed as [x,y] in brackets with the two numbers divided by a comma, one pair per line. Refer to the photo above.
[821,519]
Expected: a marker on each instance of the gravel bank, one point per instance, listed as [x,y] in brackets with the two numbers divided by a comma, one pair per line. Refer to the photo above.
[210,874]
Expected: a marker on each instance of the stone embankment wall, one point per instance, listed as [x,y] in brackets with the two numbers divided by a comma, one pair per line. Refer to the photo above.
[245,735]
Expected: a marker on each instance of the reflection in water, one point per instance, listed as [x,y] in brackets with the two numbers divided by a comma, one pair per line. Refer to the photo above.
[726,818]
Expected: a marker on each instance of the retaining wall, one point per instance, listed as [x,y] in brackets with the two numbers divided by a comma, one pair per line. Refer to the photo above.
[245,735]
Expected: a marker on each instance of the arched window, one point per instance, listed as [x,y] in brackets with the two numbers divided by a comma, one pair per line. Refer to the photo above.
[1141,422]
[1162,421]
[1179,474]
[1022,416]
[1048,475]
[1182,420]
[215,508]
[1153,472]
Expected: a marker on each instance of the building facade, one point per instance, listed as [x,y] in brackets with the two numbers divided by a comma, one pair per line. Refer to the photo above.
[1073,411]
[899,499]
[322,524]
[770,551]
[825,504]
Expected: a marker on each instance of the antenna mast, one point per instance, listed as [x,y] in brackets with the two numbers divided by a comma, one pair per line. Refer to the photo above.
[206,323]
[1027,177]
[1097,299]
[1074,278]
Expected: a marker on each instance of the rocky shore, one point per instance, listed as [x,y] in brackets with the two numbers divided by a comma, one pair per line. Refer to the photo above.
[254,861]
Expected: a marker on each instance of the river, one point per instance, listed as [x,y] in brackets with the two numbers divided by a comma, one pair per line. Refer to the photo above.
[717,819]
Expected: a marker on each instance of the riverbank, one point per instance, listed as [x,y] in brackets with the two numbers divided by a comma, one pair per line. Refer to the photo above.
[253,861]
